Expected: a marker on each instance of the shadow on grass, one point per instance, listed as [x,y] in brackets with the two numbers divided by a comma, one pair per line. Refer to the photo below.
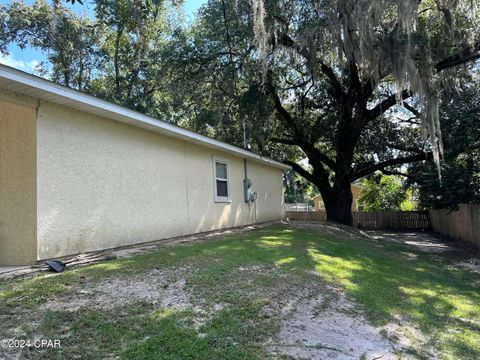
[142,331]
[425,291]
[443,301]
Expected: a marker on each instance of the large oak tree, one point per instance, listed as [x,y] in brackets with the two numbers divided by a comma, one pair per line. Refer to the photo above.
[340,83]
[357,62]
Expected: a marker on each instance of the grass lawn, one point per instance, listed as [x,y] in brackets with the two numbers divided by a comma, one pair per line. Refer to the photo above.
[230,283]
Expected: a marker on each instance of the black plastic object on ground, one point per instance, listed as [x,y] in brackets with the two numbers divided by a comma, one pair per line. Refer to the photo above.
[56,265]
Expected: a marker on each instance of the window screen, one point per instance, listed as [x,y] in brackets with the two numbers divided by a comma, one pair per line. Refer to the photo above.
[221,170]
[221,181]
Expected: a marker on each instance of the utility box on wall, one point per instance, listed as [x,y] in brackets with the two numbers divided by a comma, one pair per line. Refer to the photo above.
[249,194]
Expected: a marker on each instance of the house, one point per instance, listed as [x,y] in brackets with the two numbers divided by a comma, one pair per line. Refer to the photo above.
[356,204]
[81,174]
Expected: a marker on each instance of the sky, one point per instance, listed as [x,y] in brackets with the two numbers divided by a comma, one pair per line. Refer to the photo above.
[28,58]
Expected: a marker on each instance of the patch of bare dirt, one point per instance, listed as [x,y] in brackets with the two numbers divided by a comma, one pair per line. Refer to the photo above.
[471,264]
[327,325]
[409,337]
[428,243]
[421,241]
[165,288]
[312,330]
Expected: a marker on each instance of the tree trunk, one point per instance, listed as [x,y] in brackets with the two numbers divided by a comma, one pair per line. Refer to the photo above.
[338,203]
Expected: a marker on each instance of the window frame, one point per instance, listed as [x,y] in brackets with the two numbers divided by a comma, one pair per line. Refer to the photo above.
[221,199]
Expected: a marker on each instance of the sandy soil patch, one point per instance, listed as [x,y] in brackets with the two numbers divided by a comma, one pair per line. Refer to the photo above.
[164,288]
[328,326]
[428,243]
[471,264]
[421,241]
[408,337]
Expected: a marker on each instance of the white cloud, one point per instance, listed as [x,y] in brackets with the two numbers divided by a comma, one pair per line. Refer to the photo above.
[28,66]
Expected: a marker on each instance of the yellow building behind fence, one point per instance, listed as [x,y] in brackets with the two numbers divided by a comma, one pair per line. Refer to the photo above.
[357,205]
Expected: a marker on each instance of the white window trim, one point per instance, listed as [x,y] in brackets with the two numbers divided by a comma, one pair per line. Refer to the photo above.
[221,199]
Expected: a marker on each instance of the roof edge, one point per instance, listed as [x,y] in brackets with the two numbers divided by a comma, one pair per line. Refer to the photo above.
[126,115]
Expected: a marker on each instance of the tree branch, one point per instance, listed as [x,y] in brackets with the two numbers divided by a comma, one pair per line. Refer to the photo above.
[284,114]
[411,109]
[301,171]
[309,150]
[399,173]
[413,120]
[296,86]
[298,136]
[355,78]
[406,148]
[392,162]
[386,104]
[287,41]
[316,155]
[283,141]
[465,55]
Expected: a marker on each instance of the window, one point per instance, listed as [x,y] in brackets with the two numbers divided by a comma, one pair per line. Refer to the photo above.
[222,188]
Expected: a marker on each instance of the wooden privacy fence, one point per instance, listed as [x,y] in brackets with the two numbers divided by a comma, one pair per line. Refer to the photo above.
[373,220]
[462,224]
[307,215]
[397,220]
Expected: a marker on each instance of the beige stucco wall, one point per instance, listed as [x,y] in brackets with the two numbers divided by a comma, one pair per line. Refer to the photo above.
[103,184]
[17,180]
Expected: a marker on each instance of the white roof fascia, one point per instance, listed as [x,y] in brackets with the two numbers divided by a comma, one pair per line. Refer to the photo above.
[20,82]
